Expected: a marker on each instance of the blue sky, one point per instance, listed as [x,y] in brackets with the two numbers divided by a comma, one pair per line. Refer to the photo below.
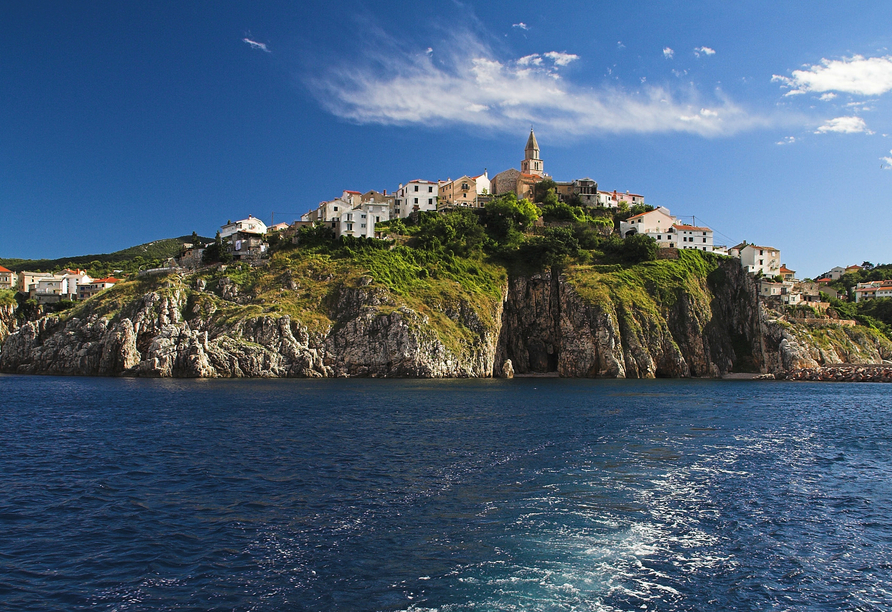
[125,122]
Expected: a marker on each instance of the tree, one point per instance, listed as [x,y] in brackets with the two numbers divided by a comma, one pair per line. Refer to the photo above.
[507,215]
[541,189]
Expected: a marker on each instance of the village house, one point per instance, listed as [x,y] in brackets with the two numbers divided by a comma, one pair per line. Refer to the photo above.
[8,278]
[658,221]
[251,225]
[245,238]
[62,286]
[757,259]
[612,199]
[693,237]
[786,273]
[360,222]
[471,191]
[88,290]
[585,189]
[415,196]
[28,280]
[872,290]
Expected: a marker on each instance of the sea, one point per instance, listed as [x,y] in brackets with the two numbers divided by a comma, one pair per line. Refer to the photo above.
[444,495]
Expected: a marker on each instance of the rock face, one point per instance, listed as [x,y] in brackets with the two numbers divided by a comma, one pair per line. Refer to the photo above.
[549,327]
[707,326]
[372,337]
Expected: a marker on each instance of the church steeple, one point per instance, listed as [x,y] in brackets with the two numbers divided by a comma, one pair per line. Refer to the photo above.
[531,163]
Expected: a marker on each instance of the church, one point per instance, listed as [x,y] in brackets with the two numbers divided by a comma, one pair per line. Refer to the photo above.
[522,182]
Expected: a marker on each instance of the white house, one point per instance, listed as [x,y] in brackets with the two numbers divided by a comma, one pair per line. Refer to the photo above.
[755,258]
[657,221]
[873,289]
[693,237]
[611,199]
[8,278]
[60,286]
[251,225]
[417,195]
[360,222]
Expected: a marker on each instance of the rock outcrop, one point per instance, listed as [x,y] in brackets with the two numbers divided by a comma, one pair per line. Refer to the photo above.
[701,322]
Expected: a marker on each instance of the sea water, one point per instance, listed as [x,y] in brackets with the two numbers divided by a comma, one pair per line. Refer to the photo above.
[454,495]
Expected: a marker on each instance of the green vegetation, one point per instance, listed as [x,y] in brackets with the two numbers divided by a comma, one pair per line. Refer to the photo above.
[7,297]
[119,263]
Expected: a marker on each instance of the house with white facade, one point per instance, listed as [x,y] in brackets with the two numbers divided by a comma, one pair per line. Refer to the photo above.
[693,237]
[415,196]
[61,286]
[88,290]
[611,199]
[8,278]
[251,225]
[360,222]
[756,259]
[657,221]
[872,290]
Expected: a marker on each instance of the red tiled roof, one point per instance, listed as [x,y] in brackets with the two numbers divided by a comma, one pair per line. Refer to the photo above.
[691,227]
[110,279]
[348,191]
[2,269]
[785,270]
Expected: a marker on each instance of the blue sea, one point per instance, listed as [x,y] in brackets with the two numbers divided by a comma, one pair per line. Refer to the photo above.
[455,495]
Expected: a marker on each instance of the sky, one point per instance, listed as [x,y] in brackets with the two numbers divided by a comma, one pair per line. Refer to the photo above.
[126,122]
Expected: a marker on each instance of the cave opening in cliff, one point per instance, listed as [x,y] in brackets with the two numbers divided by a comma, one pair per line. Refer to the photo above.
[552,362]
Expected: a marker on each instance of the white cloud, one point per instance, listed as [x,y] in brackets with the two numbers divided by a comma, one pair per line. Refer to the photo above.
[844,125]
[528,60]
[703,51]
[468,85]
[429,50]
[561,59]
[827,96]
[521,25]
[256,45]
[870,76]
[668,53]
[887,162]
[620,45]
[787,140]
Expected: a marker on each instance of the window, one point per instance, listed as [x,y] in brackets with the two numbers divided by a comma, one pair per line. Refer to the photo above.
[416,187]
[430,201]
[760,252]
[430,189]
[416,201]
[704,240]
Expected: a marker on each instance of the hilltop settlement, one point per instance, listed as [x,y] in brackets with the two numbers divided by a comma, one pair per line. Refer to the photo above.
[367,215]
[475,276]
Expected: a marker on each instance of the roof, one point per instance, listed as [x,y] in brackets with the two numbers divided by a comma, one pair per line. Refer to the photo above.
[785,269]
[691,227]
[349,191]
[756,246]
[423,181]
[2,269]
[823,280]
[110,279]
[531,142]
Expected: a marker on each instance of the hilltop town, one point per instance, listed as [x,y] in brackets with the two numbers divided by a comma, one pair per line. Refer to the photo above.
[371,215]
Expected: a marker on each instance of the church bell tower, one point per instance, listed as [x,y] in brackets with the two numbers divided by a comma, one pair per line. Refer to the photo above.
[531,163]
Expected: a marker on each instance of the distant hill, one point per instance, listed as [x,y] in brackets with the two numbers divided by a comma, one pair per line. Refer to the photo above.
[150,251]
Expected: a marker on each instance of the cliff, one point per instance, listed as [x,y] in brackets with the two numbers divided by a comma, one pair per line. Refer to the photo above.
[389,315]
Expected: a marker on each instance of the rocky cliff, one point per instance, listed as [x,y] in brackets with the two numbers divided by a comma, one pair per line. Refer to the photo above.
[695,316]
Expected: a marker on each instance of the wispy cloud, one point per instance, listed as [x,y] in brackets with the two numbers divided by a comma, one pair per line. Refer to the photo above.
[703,51]
[828,96]
[787,140]
[668,53]
[521,25]
[561,59]
[471,86]
[256,45]
[887,162]
[844,125]
[858,75]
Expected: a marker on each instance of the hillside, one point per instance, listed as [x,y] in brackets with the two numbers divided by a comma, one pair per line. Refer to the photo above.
[130,259]
[446,295]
